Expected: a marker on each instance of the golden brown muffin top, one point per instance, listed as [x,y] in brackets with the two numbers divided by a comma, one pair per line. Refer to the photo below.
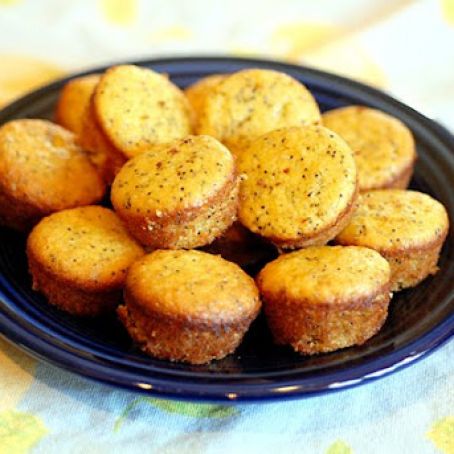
[252,102]
[41,163]
[395,220]
[74,99]
[137,107]
[198,92]
[325,275]
[383,146]
[192,285]
[173,178]
[297,182]
[86,246]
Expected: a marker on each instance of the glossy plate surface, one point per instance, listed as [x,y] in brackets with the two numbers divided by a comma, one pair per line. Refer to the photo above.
[420,319]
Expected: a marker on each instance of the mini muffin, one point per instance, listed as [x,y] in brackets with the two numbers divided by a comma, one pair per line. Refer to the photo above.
[188,305]
[407,227]
[74,99]
[383,146]
[199,91]
[78,259]
[253,102]
[299,187]
[137,107]
[325,298]
[42,170]
[104,156]
[181,196]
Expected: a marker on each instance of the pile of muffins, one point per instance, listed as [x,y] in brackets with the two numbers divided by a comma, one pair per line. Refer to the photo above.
[235,160]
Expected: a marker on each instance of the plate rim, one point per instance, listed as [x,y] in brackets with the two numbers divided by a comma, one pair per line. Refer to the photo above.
[175,386]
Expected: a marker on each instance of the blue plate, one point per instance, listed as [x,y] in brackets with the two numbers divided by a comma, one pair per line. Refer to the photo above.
[420,319]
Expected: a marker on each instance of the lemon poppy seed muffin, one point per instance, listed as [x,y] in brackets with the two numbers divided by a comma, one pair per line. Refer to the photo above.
[74,98]
[299,186]
[107,159]
[78,259]
[383,146]
[181,196]
[42,170]
[188,305]
[407,227]
[198,92]
[252,102]
[324,298]
[137,107]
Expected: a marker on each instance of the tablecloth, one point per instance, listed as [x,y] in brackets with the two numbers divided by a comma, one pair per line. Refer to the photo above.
[404,47]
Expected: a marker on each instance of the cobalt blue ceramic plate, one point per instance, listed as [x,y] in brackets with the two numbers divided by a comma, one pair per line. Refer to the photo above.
[420,319]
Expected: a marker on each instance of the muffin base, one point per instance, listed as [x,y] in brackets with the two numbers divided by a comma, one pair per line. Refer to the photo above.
[72,299]
[312,329]
[184,340]
[409,268]
[176,231]
[401,181]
